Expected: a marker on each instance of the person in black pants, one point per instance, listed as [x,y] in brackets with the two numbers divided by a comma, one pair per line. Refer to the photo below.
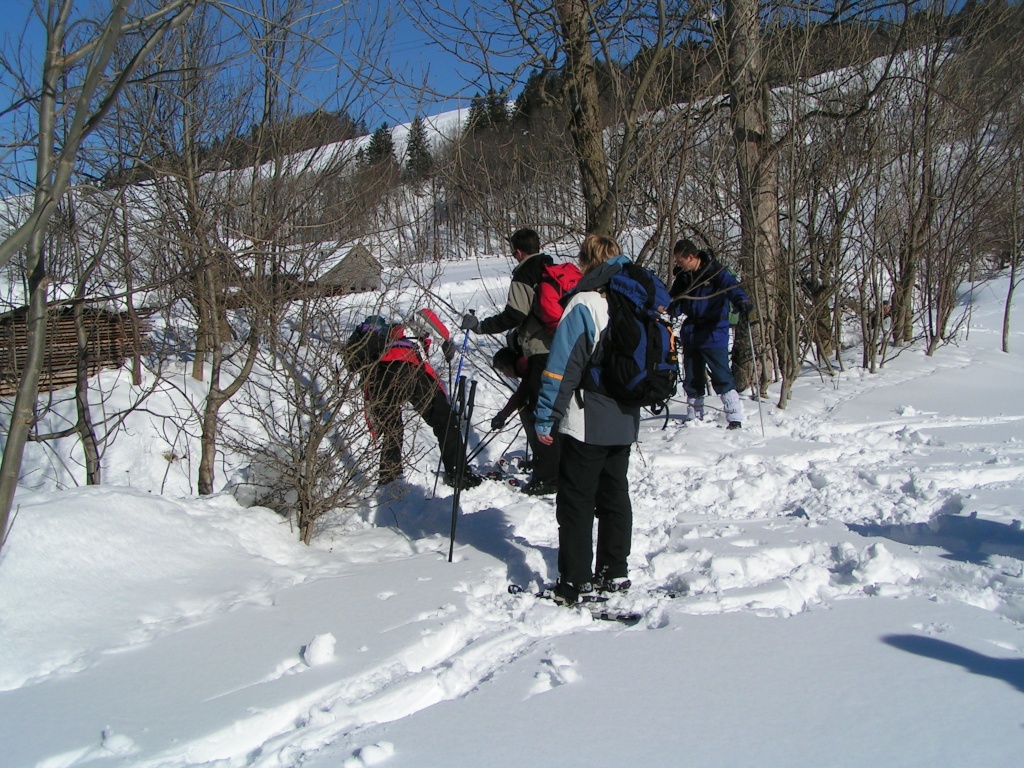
[394,372]
[389,385]
[597,435]
[534,339]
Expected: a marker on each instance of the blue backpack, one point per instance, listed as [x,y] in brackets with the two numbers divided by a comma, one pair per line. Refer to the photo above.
[637,364]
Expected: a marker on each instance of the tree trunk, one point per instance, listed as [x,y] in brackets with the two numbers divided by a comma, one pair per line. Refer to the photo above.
[83,425]
[757,176]
[208,439]
[133,314]
[215,400]
[1014,260]
[98,90]
[23,415]
[583,103]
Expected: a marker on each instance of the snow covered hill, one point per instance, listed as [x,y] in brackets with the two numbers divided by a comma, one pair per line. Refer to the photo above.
[845,589]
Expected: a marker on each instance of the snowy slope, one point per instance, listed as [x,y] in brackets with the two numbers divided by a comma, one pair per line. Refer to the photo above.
[844,590]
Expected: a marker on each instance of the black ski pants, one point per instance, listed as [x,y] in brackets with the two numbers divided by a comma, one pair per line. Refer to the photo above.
[390,386]
[592,484]
[545,457]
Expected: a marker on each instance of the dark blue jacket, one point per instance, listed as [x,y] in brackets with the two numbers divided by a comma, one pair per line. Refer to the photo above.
[704,296]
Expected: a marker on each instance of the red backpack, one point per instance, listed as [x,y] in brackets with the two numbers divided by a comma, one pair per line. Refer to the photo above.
[555,281]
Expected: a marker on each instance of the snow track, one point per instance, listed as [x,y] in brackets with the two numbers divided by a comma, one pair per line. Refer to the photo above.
[872,532]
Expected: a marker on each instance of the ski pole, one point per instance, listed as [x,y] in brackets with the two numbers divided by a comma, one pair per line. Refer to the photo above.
[757,387]
[479,449]
[460,472]
[454,405]
[462,354]
[458,377]
[464,467]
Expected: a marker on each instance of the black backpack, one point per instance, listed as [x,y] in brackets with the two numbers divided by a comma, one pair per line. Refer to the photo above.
[368,343]
[637,364]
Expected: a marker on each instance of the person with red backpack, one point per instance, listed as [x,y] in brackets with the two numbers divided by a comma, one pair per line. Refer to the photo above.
[395,371]
[523,313]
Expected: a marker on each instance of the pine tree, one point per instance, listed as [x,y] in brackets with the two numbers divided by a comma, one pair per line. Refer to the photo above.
[477,115]
[418,160]
[497,110]
[381,147]
[487,113]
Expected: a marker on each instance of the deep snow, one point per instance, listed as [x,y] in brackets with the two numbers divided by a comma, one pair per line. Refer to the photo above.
[849,593]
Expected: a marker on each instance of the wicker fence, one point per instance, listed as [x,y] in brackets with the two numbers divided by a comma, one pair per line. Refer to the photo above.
[110,341]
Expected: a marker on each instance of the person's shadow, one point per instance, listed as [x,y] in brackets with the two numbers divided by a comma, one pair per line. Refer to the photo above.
[966,538]
[488,530]
[1008,670]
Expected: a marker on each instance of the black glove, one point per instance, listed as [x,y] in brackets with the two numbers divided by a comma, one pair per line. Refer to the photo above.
[497,422]
[746,308]
[470,322]
[448,350]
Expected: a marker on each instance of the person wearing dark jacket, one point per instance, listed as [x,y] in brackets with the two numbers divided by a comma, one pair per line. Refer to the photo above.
[597,436]
[535,341]
[513,366]
[702,290]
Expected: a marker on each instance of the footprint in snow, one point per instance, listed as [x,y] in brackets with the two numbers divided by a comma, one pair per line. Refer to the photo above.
[319,650]
[374,754]
[553,672]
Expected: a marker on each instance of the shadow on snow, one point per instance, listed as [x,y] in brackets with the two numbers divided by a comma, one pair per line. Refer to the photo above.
[1008,670]
[488,530]
[969,539]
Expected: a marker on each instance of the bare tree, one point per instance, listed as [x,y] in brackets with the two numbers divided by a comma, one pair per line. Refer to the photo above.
[236,215]
[757,172]
[579,49]
[314,454]
[228,232]
[1015,226]
[77,79]
[990,79]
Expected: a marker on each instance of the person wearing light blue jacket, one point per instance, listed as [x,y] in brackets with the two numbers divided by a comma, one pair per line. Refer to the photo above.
[597,435]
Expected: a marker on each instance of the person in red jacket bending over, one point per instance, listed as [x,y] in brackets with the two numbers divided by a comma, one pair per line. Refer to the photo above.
[395,371]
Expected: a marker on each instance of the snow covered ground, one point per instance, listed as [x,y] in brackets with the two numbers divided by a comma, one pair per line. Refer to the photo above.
[844,590]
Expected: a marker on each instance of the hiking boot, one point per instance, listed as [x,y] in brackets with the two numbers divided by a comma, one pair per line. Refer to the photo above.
[734,425]
[733,408]
[614,584]
[694,409]
[566,593]
[468,480]
[540,487]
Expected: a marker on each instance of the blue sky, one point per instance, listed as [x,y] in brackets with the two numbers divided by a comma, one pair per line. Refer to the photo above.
[406,48]
[444,72]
